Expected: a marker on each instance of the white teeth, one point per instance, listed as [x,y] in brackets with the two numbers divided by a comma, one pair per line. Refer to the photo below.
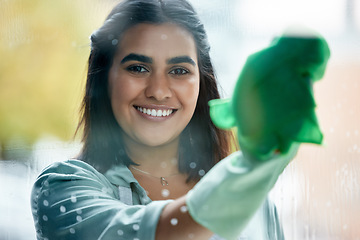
[154,112]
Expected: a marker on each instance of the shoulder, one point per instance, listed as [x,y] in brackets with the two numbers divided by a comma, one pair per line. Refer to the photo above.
[68,166]
[70,169]
[61,181]
[70,173]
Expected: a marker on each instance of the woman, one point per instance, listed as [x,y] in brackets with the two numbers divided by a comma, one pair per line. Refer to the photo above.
[148,138]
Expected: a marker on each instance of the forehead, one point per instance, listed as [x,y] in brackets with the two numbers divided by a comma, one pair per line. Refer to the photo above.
[150,39]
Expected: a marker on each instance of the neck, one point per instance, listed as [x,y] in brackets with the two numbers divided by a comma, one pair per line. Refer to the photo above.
[160,160]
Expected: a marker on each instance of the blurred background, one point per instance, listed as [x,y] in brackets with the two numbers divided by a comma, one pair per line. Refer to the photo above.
[44,47]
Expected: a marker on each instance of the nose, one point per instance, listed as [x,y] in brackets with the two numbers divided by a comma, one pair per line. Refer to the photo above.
[158,87]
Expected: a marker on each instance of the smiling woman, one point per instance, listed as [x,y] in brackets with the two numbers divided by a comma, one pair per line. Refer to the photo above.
[159,74]
[153,165]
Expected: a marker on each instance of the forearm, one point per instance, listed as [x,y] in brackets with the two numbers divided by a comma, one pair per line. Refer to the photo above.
[224,200]
[176,223]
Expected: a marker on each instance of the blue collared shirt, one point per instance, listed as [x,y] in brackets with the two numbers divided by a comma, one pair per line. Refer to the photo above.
[71,200]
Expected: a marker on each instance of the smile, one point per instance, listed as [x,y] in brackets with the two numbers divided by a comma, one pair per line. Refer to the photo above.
[155,112]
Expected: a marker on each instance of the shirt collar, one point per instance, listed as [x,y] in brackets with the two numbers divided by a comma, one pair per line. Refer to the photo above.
[120,175]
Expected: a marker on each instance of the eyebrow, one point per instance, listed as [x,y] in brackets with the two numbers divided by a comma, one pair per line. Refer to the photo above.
[181,59]
[136,57]
[146,59]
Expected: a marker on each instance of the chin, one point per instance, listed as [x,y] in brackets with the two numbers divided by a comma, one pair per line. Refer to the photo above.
[157,141]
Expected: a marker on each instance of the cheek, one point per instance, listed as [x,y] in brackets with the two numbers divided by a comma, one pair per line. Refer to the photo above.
[189,93]
[123,90]
[116,94]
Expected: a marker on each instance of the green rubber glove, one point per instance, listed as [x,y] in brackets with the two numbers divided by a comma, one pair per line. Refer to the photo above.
[273,104]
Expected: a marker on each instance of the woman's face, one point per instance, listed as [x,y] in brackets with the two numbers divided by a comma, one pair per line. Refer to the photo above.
[154,83]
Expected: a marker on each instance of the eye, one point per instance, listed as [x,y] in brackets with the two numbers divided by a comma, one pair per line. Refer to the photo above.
[179,71]
[137,69]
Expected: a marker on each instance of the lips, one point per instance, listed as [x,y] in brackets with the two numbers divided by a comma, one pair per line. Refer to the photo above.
[155,112]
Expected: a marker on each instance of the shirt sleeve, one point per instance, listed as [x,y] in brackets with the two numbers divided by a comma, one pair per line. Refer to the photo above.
[71,200]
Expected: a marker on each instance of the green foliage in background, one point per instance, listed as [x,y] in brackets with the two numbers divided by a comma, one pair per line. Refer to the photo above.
[44,47]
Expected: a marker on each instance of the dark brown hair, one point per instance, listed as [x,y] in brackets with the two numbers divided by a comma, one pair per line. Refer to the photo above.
[201,143]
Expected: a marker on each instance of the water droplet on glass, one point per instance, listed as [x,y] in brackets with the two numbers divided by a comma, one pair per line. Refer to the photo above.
[79,211]
[191,236]
[120,232]
[201,172]
[164,36]
[163,164]
[205,207]
[114,42]
[345,226]
[183,209]
[46,193]
[174,221]
[136,227]
[45,218]
[104,190]
[62,209]
[46,183]
[192,165]
[110,36]
[72,231]
[174,161]
[136,239]
[78,218]
[165,193]
[46,203]
[73,199]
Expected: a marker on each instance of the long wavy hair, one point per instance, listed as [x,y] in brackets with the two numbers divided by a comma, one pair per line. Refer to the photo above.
[202,145]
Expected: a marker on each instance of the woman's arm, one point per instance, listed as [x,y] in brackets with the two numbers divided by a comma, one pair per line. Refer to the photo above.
[225,199]
[71,200]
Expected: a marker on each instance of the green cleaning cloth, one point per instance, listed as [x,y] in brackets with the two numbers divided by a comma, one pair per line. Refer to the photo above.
[273,104]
